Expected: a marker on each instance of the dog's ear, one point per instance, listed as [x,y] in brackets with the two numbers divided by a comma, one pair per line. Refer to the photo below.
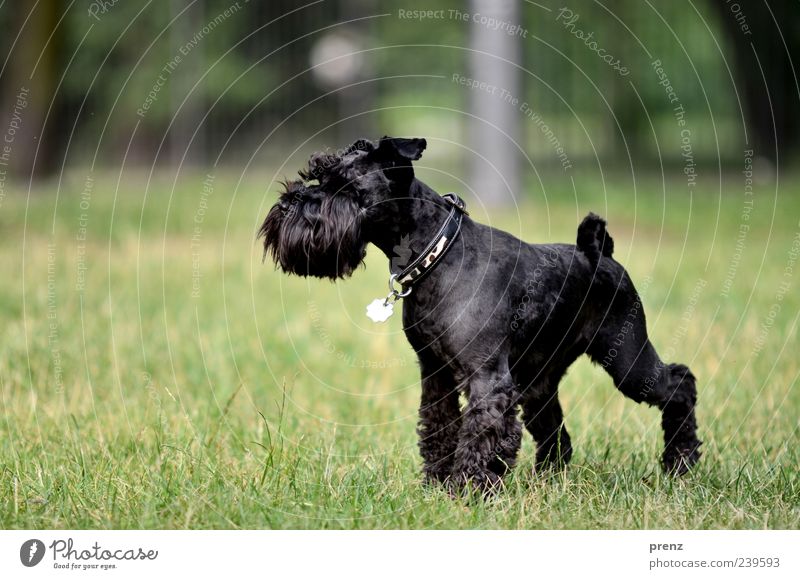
[399,149]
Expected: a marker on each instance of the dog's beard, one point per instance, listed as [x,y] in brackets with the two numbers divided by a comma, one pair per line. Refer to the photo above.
[310,233]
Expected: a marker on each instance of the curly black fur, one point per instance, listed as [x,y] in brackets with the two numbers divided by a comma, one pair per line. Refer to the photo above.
[310,232]
[593,239]
[497,321]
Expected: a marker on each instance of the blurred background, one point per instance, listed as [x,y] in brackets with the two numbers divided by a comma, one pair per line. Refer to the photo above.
[505,82]
[154,372]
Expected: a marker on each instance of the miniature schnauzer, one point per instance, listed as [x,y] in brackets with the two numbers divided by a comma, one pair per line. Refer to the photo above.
[489,316]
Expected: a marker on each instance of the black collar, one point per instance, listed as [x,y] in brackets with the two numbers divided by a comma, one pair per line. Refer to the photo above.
[438,246]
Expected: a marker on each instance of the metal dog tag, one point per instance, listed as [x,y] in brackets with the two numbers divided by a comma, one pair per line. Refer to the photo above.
[380,310]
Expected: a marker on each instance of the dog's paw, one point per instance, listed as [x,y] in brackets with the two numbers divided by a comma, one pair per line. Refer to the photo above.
[678,460]
[481,483]
[552,459]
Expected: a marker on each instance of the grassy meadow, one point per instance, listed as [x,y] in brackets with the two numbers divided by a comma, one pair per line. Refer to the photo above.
[155,374]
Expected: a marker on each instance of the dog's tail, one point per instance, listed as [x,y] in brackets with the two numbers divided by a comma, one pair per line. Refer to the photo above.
[593,239]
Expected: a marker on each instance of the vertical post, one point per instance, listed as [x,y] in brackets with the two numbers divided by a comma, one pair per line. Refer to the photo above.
[190,69]
[28,146]
[494,126]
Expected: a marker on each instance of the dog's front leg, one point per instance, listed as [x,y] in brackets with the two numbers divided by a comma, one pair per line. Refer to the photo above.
[439,420]
[484,429]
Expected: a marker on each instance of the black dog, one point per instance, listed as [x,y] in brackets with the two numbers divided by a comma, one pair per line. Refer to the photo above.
[488,315]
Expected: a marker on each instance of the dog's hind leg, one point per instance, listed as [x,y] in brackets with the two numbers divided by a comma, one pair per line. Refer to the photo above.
[542,413]
[439,419]
[677,401]
[623,349]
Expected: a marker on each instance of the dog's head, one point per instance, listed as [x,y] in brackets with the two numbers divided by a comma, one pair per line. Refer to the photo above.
[321,224]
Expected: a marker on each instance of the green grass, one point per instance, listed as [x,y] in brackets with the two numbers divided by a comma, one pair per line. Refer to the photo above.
[269,401]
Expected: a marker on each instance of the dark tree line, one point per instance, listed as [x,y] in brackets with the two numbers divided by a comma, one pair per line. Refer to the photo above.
[765,38]
[69,92]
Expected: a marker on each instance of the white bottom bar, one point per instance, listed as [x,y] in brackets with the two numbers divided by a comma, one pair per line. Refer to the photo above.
[403,554]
